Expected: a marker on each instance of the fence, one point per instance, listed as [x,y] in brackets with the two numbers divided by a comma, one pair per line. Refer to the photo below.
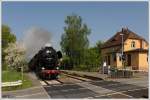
[16,83]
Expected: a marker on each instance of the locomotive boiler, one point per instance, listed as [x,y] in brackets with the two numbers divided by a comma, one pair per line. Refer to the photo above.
[46,62]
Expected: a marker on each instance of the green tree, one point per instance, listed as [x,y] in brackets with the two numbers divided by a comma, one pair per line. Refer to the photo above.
[97,50]
[99,45]
[74,39]
[92,58]
[7,37]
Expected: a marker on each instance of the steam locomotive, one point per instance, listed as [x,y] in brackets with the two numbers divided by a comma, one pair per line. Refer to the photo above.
[46,63]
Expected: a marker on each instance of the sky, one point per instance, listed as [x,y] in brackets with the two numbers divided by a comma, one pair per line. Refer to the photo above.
[103,18]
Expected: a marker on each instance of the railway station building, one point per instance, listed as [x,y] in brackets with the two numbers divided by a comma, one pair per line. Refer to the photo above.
[133,47]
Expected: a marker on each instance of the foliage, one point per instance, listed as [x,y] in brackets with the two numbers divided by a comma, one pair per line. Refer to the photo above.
[91,59]
[99,45]
[74,40]
[15,56]
[75,46]
[65,62]
[7,37]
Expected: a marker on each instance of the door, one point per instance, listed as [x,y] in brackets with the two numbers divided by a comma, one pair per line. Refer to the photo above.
[108,60]
[129,60]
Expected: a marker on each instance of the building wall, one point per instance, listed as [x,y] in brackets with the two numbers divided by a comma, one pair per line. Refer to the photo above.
[119,62]
[107,52]
[134,59]
[143,63]
[145,45]
[138,44]
[138,60]
[113,63]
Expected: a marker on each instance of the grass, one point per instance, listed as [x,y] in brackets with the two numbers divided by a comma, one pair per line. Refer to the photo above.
[62,76]
[10,76]
[86,69]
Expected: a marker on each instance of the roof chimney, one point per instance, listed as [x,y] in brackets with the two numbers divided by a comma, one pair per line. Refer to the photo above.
[124,29]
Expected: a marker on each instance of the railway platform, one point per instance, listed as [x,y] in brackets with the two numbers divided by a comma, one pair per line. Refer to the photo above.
[139,79]
[90,74]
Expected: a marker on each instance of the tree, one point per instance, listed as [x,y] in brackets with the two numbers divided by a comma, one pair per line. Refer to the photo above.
[92,58]
[99,45]
[74,39]
[15,56]
[98,51]
[7,37]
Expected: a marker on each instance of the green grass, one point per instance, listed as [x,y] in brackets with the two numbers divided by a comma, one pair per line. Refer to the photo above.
[86,68]
[10,76]
[62,76]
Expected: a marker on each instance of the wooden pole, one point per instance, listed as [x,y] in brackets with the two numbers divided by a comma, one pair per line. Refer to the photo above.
[22,74]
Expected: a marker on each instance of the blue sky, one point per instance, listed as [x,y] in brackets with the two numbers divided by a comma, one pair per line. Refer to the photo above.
[103,18]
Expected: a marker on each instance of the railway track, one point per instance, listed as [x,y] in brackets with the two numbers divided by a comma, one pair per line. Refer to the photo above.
[76,77]
[51,82]
[69,86]
[59,81]
[82,77]
[69,79]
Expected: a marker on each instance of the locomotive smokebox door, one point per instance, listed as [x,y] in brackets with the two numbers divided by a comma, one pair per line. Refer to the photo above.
[59,54]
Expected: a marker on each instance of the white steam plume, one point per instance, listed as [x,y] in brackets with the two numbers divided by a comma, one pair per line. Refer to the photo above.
[35,38]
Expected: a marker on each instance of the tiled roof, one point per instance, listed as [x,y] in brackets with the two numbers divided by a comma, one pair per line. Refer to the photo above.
[116,40]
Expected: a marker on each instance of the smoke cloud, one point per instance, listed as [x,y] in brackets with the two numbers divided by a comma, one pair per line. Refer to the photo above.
[34,39]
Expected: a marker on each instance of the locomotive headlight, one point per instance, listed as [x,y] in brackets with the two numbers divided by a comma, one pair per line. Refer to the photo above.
[43,68]
[57,68]
[48,51]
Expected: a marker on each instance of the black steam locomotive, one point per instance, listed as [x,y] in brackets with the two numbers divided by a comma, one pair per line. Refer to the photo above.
[46,63]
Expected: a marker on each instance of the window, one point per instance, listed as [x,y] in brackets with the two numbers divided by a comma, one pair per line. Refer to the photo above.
[133,44]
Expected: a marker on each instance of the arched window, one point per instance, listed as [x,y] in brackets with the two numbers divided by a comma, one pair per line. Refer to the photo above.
[133,44]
